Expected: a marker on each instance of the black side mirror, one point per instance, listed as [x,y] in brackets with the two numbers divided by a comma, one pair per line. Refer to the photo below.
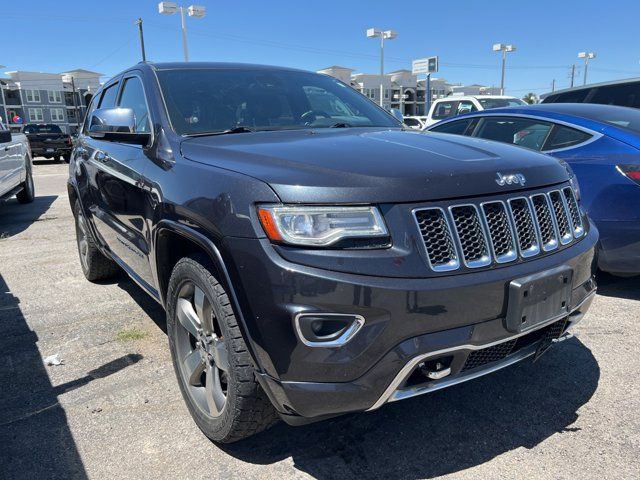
[5,136]
[117,125]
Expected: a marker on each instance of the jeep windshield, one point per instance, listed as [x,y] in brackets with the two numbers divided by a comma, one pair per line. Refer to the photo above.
[235,100]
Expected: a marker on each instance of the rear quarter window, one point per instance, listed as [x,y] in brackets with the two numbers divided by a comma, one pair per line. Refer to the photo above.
[565,137]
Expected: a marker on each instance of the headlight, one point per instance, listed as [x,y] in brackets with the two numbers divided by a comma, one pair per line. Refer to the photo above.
[320,226]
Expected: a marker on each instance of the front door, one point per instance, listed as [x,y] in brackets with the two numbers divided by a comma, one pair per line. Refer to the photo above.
[115,198]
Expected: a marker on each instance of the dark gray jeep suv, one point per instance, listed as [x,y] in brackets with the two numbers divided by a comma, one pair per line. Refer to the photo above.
[312,255]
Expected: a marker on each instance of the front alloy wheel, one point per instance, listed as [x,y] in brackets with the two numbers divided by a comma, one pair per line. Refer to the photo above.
[213,366]
[202,350]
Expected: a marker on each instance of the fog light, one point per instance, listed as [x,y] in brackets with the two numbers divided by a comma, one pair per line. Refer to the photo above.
[327,329]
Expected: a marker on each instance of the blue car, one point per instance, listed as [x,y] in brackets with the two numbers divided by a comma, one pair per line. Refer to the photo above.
[601,143]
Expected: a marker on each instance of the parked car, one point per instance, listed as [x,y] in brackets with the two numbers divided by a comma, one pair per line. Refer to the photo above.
[317,261]
[48,141]
[417,123]
[602,146]
[452,106]
[623,93]
[16,176]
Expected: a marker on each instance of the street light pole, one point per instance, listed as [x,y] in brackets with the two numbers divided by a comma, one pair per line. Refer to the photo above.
[169,8]
[387,34]
[501,47]
[587,56]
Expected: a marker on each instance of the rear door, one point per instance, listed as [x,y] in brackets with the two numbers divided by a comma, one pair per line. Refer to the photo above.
[116,199]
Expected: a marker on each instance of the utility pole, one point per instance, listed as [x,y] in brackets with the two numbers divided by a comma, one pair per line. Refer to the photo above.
[587,56]
[573,73]
[139,23]
[553,85]
[501,47]
[386,35]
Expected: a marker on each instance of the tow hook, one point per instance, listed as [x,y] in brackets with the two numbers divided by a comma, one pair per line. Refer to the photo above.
[563,337]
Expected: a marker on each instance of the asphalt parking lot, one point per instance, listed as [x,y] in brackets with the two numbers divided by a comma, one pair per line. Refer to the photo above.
[113,408]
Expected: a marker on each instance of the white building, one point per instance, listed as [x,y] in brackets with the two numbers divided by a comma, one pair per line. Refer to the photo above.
[402,89]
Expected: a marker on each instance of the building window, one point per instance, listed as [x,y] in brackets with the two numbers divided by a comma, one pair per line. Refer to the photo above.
[35,115]
[386,93]
[57,115]
[55,96]
[33,96]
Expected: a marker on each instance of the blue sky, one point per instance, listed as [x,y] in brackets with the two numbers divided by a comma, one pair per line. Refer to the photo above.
[101,35]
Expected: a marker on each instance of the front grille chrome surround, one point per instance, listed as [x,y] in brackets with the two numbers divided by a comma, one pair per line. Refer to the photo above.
[501,235]
[526,230]
[471,235]
[438,239]
[507,229]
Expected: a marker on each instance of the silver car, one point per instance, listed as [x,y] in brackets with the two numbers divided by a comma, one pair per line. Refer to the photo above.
[16,169]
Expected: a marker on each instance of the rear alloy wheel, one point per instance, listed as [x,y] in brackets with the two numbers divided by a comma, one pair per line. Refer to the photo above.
[213,366]
[28,192]
[95,265]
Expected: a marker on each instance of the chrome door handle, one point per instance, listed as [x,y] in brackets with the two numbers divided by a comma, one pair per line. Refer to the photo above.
[102,156]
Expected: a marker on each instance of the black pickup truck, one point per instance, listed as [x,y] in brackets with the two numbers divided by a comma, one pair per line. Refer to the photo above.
[314,257]
[48,141]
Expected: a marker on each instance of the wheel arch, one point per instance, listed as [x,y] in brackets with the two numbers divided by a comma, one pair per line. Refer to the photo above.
[174,241]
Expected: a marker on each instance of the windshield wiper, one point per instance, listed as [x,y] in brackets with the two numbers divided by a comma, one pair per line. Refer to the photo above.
[238,129]
[340,125]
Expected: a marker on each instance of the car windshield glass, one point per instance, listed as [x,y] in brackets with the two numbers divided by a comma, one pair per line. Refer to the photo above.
[209,100]
[42,129]
[488,103]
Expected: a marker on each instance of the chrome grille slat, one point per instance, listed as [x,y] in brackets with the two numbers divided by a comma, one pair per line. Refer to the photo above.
[562,218]
[437,238]
[546,225]
[471,236]
[526,232]
[474,235]
[574,211]
[501,235]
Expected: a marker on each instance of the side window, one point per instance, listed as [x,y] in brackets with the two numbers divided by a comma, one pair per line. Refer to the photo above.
[626,95]
[574,96]
[525,132]
[444,110]
[465,106]
[564,137]
[133,97]
[108,99]
[457,127]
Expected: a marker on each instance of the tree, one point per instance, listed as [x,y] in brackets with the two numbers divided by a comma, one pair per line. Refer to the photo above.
[530,98]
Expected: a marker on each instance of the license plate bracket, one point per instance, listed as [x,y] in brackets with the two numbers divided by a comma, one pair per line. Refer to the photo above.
[537,298]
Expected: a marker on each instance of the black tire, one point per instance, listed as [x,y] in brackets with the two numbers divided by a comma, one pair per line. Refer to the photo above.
[67,157]
[246,409]
[28,192]
[94,264]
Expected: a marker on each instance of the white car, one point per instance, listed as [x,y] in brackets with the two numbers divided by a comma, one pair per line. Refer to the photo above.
[417,123]
[457,105]
[16,169]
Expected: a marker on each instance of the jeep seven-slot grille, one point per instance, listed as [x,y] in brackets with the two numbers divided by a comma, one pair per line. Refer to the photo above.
[499,231]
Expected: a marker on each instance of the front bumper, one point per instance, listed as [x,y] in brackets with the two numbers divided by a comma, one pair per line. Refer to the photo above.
[407,321]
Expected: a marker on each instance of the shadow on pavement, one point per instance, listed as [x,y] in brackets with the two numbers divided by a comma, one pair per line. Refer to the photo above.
[443,432]
[35,439]
[620,287]
[148,304]
[15,217]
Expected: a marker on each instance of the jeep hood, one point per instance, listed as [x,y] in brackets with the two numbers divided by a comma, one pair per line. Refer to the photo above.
[372,165]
